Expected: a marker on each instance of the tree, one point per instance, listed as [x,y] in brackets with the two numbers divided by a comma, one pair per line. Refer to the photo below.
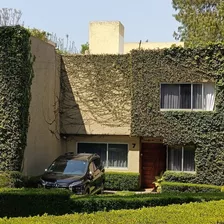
[10,17]
[41,34]
[84,48]
[202,21]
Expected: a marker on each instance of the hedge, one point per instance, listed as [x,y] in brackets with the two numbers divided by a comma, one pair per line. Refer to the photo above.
[170,187]
[26,202]
[16,73]
[30,202]
[11,179]
[114,180]
[122,181]
[193,213]
[183,177]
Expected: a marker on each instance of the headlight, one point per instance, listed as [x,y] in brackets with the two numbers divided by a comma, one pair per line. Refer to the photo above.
[43,182]
[76,183]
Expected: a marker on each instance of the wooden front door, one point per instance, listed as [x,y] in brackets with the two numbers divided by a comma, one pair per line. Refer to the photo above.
[153,162]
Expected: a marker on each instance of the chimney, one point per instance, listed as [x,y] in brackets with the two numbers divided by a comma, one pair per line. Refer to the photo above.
[106,37]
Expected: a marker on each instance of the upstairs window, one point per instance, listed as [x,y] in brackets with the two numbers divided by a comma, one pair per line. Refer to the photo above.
[197,96]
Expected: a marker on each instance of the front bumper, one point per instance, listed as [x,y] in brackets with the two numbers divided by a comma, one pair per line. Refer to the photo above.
[79,189]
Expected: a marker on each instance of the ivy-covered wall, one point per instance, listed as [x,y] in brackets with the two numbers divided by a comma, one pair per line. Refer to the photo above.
[96,94]
[15,81]
[205,129]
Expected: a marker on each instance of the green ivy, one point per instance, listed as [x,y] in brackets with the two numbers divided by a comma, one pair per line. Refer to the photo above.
[137,78]
[203,129]
[15,81]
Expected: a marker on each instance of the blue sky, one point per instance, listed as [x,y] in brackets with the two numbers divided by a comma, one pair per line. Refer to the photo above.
[142,19]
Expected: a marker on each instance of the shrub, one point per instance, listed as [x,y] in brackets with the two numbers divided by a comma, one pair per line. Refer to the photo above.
[11,179]
[206,212]
[30,202]
[188,187]
[107,203]
[26,202]
[183,177]
[122,181]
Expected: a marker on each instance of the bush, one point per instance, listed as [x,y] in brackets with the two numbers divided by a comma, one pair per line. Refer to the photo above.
[206,212]
[167,187]
[107,203]
[11,179]
[122,181]
[183,177]
[30,202]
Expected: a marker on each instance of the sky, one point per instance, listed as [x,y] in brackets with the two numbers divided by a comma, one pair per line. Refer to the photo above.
[143,20]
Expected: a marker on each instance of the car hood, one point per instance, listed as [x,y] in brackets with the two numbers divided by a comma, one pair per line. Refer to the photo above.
[61,178]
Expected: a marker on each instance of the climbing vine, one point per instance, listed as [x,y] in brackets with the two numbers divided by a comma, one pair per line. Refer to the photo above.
[100,85]
[204,129]
[110,89]
[15,81]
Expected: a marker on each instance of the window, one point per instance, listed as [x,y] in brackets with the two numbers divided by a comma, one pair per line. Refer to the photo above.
[181,158]
[188,96]
[111,154]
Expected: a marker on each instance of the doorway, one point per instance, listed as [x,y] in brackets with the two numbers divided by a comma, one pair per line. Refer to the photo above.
[153,162]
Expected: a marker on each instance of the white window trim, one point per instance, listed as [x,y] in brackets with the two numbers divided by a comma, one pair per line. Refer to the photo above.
[107,143]
[186,110]
[182,161]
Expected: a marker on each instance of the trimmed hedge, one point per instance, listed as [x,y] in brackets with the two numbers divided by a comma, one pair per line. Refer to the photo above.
[30,202]
[122,181]
[169,187]
[102,203]
[11,179]
[193,213]
[26,202]
[183,177]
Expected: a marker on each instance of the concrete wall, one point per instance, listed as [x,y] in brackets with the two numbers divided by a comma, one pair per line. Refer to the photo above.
[43,140]
[70,145]
[106,37]
[150,45]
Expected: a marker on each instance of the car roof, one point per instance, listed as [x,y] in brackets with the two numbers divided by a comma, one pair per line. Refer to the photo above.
[80,156]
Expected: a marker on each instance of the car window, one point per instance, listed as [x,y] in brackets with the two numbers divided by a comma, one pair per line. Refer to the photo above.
[69,167]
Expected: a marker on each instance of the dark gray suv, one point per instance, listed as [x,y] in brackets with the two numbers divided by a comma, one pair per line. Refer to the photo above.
[82,173]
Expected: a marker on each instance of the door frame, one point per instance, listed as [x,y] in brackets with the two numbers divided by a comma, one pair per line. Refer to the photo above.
[150,140]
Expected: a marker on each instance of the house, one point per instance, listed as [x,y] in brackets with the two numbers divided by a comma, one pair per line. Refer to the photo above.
[144,112]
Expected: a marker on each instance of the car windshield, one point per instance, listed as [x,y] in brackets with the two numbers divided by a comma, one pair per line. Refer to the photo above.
[69,167]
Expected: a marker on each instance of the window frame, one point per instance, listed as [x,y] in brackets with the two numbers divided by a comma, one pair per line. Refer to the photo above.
[184,83]
[182,161]
[107,152]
